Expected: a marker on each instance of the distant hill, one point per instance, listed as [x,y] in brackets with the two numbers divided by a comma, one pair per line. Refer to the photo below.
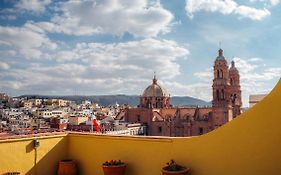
[188,101]
[132,100]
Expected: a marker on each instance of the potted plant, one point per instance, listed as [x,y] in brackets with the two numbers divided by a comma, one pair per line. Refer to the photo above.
[114,167]
[172,168]
[67,167]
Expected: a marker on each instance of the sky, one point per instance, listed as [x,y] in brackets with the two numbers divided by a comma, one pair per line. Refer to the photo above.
[102,47]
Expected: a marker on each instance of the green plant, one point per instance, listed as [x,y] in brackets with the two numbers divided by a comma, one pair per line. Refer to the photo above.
[113,163]
[173,166]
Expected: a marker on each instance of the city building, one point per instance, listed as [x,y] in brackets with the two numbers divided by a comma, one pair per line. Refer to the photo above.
[250,145]
[162,119]
[254,99]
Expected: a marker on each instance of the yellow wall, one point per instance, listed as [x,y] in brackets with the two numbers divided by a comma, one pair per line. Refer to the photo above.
[20,155]
[248,145]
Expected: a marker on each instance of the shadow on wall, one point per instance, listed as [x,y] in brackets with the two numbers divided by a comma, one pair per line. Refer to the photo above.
[248,145]
[47,155]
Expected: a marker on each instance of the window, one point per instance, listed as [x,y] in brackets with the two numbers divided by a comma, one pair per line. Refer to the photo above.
[218,94]
[219,73]
[231,81]
[226,116]
[138,118]
[200,131]
[222,94]
[159,129]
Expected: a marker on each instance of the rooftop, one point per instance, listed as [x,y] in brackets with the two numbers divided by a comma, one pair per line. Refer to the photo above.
[248,145]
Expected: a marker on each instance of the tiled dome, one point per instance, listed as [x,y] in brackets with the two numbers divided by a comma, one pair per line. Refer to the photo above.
[155,90]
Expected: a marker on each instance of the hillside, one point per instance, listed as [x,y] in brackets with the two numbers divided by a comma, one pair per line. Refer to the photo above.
[132,100]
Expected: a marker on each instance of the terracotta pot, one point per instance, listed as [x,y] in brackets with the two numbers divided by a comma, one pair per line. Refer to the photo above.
[12,173]
[181,172]
[114,169]
[67,167]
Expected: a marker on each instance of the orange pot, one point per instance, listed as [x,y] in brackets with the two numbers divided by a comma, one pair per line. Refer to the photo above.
[114,169]
[67,167]
[181,172]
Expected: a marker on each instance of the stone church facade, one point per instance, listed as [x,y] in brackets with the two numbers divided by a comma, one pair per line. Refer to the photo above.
[162,119]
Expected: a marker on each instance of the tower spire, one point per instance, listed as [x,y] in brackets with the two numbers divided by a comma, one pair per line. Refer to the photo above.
[232,64]
[154,78]
[220,52]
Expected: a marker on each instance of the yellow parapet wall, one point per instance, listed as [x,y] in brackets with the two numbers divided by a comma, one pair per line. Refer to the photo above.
[19,155]
[248,145]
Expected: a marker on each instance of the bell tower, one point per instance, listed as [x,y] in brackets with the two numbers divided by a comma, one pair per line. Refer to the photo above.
[222,109]
[235,90]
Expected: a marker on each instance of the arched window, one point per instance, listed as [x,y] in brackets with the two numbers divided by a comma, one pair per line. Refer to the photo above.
[234,98]
[231,81]
[222,94]
[221,74]
[218,94]
[187,117]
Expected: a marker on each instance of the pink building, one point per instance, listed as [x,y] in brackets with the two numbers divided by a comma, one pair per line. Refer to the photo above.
[162,119]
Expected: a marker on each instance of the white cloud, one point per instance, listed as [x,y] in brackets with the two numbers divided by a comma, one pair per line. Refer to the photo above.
[37,6]
[253,77]
[206,75]
[225,7]
[254,73]
[272,2]
[8,17]
[116,17]
[98,68]
[252,13]
[4,66]
[62,56]
[126,58]
[26,41]
[244,66]
[255,59]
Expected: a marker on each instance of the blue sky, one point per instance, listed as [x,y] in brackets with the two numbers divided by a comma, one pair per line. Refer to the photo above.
[114,46]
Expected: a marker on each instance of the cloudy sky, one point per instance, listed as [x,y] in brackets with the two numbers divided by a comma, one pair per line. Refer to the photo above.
[114,46]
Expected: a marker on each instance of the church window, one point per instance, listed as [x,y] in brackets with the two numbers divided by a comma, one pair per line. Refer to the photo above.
[138,118]
[160,129]
[231,81]
[234,98]
[222,94]
[219,73]
[218,94]
[200,130]
[226,116]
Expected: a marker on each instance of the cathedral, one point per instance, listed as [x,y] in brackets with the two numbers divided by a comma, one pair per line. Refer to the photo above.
[162,119]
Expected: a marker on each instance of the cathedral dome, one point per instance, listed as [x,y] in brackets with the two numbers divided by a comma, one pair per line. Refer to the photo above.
[155,90]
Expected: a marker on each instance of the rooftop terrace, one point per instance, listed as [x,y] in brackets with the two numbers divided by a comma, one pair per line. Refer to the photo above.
[248,145]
